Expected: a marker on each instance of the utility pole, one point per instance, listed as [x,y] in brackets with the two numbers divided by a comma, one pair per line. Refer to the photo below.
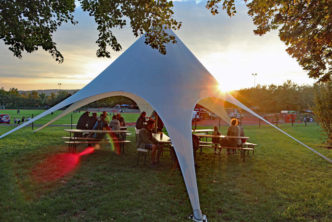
[254,75]
[59,84]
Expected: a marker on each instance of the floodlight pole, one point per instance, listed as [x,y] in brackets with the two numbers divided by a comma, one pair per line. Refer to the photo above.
[254,75]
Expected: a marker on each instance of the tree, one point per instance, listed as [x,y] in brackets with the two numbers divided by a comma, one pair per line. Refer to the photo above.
[323,108]
[28,25]
[43,98]
[273,98]
[305,26]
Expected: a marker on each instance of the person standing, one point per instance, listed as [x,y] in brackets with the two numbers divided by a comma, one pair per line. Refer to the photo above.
[141,121]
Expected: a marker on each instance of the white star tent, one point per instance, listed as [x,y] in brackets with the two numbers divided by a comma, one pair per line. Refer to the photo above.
[170,84]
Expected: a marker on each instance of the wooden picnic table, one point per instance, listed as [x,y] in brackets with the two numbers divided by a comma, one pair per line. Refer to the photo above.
[220,136]
[72,141]
[202,130]
[162,138]
[95,131]
[244,149]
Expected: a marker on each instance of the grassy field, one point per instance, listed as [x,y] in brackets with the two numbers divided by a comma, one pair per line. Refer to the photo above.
[129,117]
[283,181]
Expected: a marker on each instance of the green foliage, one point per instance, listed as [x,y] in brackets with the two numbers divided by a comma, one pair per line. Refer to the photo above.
[282,182]
[28,25]
[323,108]
[14,99]
[273,99]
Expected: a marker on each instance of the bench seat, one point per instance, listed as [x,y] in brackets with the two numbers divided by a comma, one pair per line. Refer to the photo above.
[140,152]
[74,141]
[78,138]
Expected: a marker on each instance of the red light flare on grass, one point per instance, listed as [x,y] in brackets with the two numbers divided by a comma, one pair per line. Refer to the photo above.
[58,166]
[87,151]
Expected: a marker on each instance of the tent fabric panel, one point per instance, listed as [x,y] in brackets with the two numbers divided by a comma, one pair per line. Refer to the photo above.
[139,101]
[216,106]
[179,130]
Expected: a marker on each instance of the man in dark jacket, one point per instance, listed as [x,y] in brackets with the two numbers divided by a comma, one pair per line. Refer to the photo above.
[141,121]
[82,123]
[92,120]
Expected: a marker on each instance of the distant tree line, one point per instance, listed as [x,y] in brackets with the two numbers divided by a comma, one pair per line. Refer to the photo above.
[290,96]
[13,99]
[262,99]
[273,98]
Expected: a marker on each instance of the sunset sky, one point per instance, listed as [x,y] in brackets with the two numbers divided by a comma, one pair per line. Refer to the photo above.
[226,46]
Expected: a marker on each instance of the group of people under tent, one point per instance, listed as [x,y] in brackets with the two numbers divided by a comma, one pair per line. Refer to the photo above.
[101,123]
[234,130]
[146,126]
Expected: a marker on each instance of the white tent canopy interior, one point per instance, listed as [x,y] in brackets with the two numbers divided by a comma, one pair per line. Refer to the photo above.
[170,84]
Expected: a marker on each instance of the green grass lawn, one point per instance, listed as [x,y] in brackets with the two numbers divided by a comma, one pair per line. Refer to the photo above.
[129,117]
[283,181]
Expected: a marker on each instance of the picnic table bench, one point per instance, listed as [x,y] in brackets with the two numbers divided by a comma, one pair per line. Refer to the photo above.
[244,149]
[73,141]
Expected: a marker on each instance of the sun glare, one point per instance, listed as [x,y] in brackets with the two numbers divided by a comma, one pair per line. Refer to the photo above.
[220,88]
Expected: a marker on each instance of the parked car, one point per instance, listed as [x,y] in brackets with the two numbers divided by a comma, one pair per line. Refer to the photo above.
[4,118]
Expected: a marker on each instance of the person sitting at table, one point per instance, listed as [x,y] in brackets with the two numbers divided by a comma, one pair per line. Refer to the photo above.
[92,120]
[107,119]
[122,124]
[160,124]
[234,130]
[115,125]
[100,124]
[121,119]
[82,123]
[147,141]
[141,121]
[216,140]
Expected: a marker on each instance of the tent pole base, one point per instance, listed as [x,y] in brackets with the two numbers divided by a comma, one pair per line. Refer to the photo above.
[203,219]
